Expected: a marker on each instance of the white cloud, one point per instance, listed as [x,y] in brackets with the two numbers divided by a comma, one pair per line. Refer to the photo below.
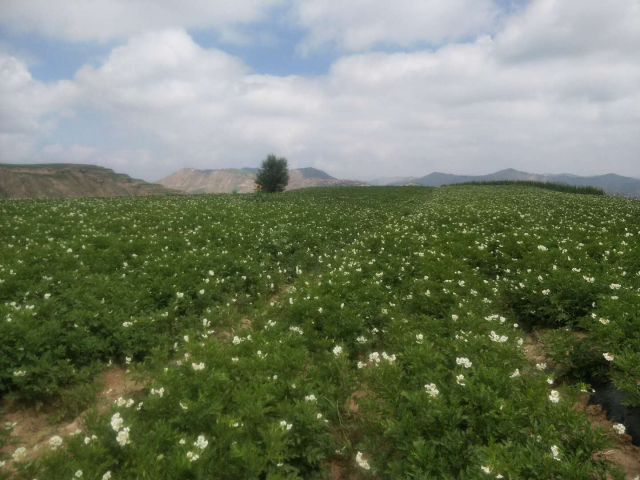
[358,25]
[114,19]
[28,108]
[463,108]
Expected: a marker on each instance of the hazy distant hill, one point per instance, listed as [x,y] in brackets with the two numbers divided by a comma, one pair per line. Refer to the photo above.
[230,180]
[611,183]
[391,181]
[59,180]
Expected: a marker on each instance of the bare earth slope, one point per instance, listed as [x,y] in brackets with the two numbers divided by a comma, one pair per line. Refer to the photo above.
[229,180]
[71,180]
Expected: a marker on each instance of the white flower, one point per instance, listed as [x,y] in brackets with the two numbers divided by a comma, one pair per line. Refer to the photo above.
[361,339]
[541,366]
[554,396]
[123,437]
[419,338]
[619,428]
[432,390]
[604,321]
[310,398]
[79,474]
[362,463]
[337,350]
[19,373]
[460,379]
[201,292]
[47,296]
[542,248]
[497,338]
[516,373]
[237,340]
[19,454]
[55,442]
[608,357]
[180,295]
[555,451]
[198,366]
[550,381]
[107,475]
[201,443]
[192,456]
[286,425]
[486,470]
[159,392]
[454,317]
[116,422]
[615,286]
[464,362]
[361,365]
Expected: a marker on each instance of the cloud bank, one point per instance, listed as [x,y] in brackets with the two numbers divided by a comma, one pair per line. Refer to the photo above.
[553,88]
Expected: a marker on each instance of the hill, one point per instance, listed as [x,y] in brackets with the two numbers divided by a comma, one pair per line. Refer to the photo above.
[611,183]
[382,181]
[60,180]
[229,180]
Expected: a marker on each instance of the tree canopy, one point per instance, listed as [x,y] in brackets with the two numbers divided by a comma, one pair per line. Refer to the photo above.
[273,175]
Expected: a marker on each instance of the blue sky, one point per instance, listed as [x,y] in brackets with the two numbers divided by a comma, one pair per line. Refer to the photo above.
[361,90]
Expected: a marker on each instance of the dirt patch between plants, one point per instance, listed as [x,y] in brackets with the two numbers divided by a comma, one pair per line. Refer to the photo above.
[534,348]
[33,428]
[624,454]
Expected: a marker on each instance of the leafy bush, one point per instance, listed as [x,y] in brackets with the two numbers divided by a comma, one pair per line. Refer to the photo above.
[273,175]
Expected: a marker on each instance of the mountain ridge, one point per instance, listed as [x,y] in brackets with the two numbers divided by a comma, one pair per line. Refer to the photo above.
[611,183]
[62,180]
[232,180]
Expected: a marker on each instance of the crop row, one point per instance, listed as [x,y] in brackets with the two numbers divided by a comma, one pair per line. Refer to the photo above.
[395,350]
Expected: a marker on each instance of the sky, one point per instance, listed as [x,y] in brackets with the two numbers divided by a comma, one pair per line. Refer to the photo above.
[360,89]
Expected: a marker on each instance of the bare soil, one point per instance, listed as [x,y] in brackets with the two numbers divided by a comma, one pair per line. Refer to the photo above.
[624,454]
[33,427]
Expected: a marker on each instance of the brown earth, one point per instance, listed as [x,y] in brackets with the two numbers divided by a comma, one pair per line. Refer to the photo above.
[624,454]
[71,180]
[33,429]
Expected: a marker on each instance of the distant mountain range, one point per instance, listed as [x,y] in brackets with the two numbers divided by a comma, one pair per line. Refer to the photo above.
[77,180]
[611,183]
[60,180]
[382,181]
[242,180]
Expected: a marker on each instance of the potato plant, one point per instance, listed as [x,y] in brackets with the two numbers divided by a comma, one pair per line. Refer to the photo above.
[381,330]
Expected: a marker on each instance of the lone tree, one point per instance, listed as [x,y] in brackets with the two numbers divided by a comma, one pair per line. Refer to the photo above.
[273,175]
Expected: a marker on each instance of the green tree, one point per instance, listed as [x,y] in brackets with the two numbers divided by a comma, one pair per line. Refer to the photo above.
[273,175]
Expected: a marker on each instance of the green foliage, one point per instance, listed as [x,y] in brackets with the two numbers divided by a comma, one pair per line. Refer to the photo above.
[386,321]
[273,175]
[556,187]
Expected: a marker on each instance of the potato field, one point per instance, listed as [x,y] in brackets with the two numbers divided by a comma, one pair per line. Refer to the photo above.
[349,333]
